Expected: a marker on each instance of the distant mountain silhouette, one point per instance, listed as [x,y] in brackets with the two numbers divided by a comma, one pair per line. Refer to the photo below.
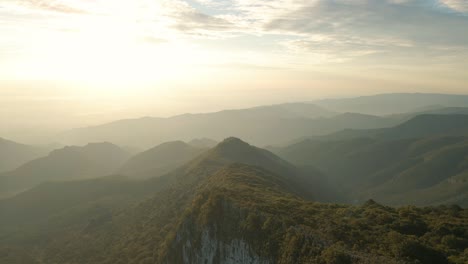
[13,154]
[387,104]
[444,111]
[92,160]
[420,126]
[261,126]
[429,125]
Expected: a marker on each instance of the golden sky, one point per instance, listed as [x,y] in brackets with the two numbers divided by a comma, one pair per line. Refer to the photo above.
[89,61]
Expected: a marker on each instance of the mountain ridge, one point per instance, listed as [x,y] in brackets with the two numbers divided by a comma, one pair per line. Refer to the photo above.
[160,160]
[13,154]
[261,126]
[72,162]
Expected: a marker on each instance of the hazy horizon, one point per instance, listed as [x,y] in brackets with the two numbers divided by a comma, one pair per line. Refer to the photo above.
[35,129]
[76,63]
[233,131]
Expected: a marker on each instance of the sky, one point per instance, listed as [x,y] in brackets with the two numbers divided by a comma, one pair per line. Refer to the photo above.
[71,63]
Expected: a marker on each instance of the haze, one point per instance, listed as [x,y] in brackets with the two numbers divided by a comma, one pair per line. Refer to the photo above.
[74,63]
[233,131]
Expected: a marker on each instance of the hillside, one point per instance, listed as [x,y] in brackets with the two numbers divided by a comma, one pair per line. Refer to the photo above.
[308,180]
[234,204]
[429,125]
[245,214]
[45,196]
[390,171]
[13,155]
[80,200]
[55,198]
[425,125]
[160,159]
[92,160]
[436,110]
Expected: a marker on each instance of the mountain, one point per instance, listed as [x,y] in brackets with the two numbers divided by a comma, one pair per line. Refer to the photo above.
[443,111]
[49,200]
[391,171]
[429,125]
[387,104]
[234,204]
[310,182]
[13,155]
[160,159]
[262,126]
[92,160]
[52,199]
[436,176]
[246,214]
[425,125]
[71,203]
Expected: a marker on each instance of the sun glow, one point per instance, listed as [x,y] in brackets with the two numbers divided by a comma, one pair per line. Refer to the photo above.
[233,43]
[114,42]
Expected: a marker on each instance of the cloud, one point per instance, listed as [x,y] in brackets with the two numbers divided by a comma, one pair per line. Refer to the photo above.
[44,5]
[457,5]
[338,30]
[189,20]
[177,16]
[368,27]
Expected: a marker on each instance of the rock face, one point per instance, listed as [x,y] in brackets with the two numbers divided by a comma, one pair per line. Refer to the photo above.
[202,239]
[213,251]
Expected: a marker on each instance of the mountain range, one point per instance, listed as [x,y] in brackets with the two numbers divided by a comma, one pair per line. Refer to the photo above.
[396,103]
[421,162]
[92,160]
[418,126]
[272,125]
[339,183]
[160,160]
[233,204]
[13,154]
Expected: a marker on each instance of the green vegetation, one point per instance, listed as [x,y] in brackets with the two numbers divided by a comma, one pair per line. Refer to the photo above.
[249,204]
[234,202]
[418,171]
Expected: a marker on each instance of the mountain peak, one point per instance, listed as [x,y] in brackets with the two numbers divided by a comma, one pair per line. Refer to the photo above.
[100,144]
[171,144]
[234,148]
[232,141]
[88,148]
